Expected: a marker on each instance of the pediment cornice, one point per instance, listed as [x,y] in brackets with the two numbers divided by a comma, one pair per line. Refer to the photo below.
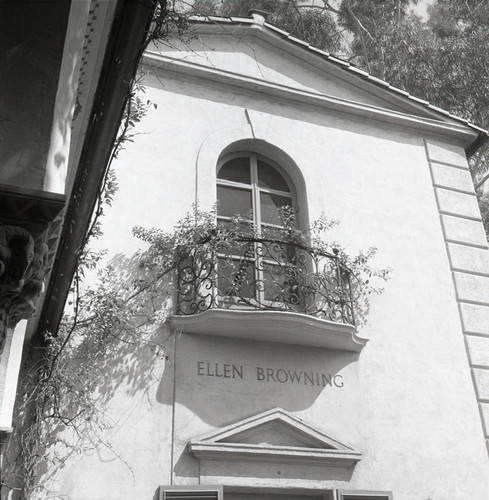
[459,132]
[234,443]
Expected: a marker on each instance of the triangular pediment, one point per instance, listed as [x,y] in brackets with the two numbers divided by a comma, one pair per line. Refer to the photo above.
[251,57]
[264,53]
[275,435]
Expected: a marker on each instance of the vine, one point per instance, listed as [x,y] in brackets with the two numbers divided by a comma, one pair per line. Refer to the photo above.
[200,233]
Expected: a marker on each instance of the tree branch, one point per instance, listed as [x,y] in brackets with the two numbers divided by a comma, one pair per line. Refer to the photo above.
[482,152]
[325,6]
[360,30]
[398,12]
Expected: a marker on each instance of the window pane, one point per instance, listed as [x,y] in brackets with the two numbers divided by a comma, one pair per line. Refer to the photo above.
[232,201]
[270,205]
[281,285]
[277,251]
[236,243]
[237,170]
[241,228]
[269,178]
[236,278]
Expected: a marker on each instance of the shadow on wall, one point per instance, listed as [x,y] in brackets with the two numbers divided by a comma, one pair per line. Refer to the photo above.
[216,373]
[219,381]
[117,364]
[142,339]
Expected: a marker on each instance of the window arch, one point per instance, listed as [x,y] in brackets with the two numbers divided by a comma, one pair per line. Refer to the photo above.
[253,186]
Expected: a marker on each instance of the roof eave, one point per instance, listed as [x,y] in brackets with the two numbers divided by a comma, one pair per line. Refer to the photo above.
[121,60]
[482,138]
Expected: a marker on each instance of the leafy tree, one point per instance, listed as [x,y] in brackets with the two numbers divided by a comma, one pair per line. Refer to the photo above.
[461,30]
[462,34]
[316,26]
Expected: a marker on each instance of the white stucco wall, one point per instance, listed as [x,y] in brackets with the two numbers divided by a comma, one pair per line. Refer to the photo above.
[263,61]
[407,403]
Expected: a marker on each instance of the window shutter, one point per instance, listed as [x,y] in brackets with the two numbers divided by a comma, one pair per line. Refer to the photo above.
[364,495]
[191,493]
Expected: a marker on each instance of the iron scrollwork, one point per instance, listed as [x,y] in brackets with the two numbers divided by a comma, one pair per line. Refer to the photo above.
[265,274]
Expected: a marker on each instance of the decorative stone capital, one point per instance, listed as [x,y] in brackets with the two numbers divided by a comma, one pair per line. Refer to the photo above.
[22,270]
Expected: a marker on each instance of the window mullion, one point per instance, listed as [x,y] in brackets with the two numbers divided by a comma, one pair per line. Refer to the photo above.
[285,194]
[256,193]
[260,293]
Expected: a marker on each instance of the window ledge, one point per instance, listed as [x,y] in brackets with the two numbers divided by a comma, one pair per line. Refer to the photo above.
[272,326]
[282,438]
[276,454]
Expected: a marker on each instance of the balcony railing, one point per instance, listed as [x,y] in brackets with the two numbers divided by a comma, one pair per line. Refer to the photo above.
[264,274]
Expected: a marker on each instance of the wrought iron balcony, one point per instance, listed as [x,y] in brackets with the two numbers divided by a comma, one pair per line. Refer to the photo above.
[264,274]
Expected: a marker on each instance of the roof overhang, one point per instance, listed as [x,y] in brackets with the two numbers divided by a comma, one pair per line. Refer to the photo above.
[120,62]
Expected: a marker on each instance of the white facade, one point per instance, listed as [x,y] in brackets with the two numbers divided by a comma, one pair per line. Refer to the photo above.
[400,416]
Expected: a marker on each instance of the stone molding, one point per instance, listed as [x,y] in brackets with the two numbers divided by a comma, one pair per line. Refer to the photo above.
[22,271]
[276,454]
[322,61]
[233,442]
[468,254]
[458,132]
[272,326]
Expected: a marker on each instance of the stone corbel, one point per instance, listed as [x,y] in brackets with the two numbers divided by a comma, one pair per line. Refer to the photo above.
[22,271]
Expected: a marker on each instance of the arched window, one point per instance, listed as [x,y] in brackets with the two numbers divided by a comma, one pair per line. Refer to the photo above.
[253,186]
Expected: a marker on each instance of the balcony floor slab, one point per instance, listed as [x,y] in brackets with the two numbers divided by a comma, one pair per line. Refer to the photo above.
[272,326]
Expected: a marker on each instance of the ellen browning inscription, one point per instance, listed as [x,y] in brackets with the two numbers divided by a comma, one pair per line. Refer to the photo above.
[266,374]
